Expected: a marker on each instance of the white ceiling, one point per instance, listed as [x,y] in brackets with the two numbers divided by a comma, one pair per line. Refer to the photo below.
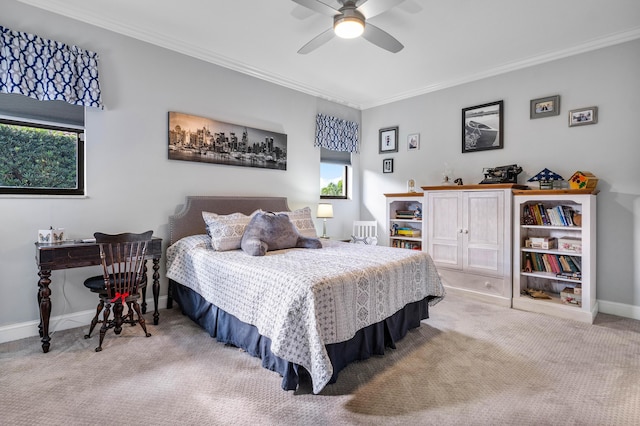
[447,42]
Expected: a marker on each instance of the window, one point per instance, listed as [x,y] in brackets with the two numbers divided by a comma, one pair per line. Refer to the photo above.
[333,180]
[41,147]
[334,173]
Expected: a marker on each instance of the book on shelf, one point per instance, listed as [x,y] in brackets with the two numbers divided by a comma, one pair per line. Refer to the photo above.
[570,275]
[409,232]
[541,215]
[553,263]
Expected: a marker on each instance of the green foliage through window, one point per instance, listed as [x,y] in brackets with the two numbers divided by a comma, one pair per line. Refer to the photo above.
[40,159]
[333,180]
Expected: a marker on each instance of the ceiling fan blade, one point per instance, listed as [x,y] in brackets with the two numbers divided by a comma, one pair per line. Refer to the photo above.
[301,12]
[410,6]
[318,7]
[318,41]
[372,8]
[381,38]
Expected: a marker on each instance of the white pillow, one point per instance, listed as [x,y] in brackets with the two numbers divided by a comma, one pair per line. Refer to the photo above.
[226,230]
[303,221]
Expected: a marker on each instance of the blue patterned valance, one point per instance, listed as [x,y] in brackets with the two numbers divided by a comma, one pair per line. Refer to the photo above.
[48,70]
[336,134]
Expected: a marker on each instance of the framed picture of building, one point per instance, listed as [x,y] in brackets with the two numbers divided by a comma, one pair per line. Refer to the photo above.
[205,140]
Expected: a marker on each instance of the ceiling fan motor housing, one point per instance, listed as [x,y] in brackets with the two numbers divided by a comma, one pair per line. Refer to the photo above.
[349,23]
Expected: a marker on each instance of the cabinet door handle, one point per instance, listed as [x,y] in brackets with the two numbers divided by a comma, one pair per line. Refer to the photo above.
[466,231]
[460,231]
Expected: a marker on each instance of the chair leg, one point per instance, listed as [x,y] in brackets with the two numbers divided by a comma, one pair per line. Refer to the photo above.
[105,323]
[117,317]
[94,321]
[136,306]
[129,317]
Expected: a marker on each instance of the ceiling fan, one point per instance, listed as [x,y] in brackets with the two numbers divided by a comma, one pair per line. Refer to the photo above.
[349,21]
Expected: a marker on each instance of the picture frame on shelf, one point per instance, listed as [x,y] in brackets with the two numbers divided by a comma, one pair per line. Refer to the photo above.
[413,142]
[388,140]
[544,107]
[583,116]
[482,127]
[387,165]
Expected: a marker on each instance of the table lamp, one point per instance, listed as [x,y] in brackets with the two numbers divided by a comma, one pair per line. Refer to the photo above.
[325,211]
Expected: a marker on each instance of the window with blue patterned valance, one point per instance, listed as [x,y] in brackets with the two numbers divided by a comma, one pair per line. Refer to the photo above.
[48,70]
[336,134]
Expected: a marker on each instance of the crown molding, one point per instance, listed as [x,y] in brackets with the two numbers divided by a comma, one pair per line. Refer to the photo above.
[179,46]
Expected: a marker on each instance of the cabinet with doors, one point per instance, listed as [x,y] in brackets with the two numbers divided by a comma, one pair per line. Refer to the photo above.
[405,220]
[469,238]
[555,253]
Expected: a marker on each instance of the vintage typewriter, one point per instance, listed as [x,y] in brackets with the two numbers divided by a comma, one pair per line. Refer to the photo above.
[502,174]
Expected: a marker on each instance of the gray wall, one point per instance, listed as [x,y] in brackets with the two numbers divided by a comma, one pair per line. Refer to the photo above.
[606,78]
[140,84]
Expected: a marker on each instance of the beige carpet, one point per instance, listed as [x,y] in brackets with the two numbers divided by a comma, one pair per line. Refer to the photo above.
[469,364]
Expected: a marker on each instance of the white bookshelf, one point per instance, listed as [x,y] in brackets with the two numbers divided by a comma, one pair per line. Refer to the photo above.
[581,203]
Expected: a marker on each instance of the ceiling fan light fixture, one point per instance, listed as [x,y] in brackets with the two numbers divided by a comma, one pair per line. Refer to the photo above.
[349,25]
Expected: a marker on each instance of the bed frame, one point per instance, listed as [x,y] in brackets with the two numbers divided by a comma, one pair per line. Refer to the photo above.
[223,326]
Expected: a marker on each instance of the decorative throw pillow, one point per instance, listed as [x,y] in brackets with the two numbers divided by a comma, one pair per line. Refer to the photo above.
[269,231]
[303,222]
[226,230]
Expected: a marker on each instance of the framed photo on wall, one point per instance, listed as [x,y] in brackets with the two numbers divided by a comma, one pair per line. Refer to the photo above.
[389,140]
[387,165]
[482,127]
[544,107]
[413,142]
[582,116]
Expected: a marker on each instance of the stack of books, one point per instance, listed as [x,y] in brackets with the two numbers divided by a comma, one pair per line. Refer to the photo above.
[409,232]
[405,214]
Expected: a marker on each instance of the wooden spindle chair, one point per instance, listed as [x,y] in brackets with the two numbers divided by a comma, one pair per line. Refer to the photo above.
[123,261]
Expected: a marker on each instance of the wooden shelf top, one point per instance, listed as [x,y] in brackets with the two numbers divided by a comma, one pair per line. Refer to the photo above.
[405,194]
[554,191]
[478,186]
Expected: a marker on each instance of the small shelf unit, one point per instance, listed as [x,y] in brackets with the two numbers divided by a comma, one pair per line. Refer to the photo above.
[398,221]
[557,259]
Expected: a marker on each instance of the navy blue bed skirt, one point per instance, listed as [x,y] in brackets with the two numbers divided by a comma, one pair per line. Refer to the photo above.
[371,340]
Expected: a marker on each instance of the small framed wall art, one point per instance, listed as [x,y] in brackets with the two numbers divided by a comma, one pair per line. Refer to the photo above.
[387,165]
[582,116]
[544,107]
[389,140]
[413,142]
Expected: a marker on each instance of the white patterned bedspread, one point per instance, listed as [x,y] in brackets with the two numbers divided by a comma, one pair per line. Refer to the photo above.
[303,299]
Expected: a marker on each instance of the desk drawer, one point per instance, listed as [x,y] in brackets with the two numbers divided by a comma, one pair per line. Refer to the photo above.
[64,257]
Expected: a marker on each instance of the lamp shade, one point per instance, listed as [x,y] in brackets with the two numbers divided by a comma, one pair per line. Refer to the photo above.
[325,210]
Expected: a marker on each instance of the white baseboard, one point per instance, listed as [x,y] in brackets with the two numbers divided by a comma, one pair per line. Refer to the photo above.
[23,330]
[619,309]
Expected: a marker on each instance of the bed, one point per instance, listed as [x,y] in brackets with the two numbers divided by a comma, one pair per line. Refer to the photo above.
[304,312]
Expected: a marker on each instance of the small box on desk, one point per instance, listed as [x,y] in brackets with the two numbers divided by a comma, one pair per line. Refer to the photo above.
[570,244]
[51,235]
[569,296]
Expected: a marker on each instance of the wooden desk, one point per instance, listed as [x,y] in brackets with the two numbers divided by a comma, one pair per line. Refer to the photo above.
[76,254]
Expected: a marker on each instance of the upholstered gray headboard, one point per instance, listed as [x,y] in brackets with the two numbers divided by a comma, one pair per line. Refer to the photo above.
[188,221]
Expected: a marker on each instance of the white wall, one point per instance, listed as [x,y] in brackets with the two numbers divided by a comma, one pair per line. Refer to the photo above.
[132,186]
[606,78]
